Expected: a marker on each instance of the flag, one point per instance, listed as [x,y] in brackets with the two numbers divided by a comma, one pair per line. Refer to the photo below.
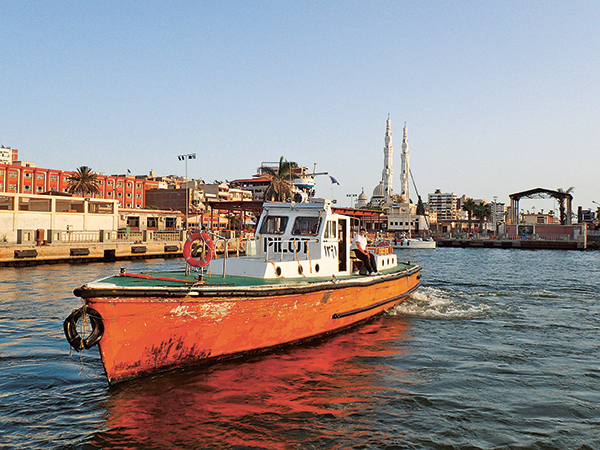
[333,180]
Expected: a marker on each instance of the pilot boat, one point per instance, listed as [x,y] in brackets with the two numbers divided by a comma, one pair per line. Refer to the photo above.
[296,282]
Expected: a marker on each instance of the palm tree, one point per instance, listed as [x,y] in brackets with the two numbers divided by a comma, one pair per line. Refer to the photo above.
[83,181]
[280,189]
[469,206]
[561,203]
[482,211]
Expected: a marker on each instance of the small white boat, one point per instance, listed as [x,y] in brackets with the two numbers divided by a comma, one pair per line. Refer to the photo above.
[413,243]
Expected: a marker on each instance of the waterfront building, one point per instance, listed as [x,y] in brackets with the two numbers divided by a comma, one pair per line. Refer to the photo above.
[402,219]
[257,185]
[540,218]
[8,155]
[53,217]
[498,212]
[30,217]
[444,204]
[21,177]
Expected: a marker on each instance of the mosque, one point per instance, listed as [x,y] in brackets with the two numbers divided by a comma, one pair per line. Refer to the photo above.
[400,211]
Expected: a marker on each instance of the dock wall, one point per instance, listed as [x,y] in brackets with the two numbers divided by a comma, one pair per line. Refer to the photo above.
[88,246]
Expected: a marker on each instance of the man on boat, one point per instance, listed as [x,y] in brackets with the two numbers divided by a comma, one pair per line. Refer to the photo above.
[359,245]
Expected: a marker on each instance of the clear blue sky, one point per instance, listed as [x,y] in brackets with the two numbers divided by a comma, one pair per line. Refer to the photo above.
[499,97]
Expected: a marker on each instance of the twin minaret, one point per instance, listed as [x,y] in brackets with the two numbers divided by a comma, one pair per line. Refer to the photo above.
[387,174]
[405,174]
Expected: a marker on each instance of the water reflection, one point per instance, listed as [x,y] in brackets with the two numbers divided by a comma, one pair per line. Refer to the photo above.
[302,396]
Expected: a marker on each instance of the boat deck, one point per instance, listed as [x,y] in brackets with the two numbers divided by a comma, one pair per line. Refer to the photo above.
[179,278]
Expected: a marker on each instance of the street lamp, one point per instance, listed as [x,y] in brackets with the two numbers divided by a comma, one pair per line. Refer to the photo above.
[187,196]
[352,199]
[494,215]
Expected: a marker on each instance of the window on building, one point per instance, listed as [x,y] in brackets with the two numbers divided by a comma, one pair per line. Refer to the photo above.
[27,175]
[40,176]
[39,189]
[119,194]
[12,187]
[69,206]
[53,177]
[152,222]
[119,184]
[1,172]
[129,185]
[34,204]
[129,195]
[133,222]
[27,188]
[66,179]
[13,173]
[7,204]
[110,183]
[109,194]
[100,208]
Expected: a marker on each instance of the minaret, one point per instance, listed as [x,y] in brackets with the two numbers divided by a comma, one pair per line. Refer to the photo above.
[405,174]
[388,163]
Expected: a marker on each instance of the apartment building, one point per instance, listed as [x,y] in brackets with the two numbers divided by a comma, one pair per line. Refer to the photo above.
[444,205]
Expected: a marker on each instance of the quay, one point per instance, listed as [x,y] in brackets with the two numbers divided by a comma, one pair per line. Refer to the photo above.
[537,244]
[102,246]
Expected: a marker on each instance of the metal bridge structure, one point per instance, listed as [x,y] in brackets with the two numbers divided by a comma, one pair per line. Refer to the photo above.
[565,201]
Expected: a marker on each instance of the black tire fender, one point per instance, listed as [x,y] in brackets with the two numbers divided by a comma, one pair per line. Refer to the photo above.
[72,335]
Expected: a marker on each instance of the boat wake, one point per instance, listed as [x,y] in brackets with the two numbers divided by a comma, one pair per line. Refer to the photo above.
[435,303]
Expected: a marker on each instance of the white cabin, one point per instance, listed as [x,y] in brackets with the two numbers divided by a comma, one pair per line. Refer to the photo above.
[298,240]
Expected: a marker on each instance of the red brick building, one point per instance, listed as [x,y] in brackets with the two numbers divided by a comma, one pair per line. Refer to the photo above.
[21,177]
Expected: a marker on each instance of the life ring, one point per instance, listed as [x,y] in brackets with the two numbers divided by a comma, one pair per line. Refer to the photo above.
[187,249]
[70,326]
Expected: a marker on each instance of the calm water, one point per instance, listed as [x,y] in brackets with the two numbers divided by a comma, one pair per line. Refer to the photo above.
[499,349]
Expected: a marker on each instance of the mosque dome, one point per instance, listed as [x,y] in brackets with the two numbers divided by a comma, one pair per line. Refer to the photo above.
[378,194]
[378,191]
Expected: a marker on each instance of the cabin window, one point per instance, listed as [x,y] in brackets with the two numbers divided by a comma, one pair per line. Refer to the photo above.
[306,226]
[274,225]
[330,230]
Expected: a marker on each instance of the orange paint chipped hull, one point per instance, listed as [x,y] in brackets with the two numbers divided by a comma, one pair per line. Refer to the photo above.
[152,331]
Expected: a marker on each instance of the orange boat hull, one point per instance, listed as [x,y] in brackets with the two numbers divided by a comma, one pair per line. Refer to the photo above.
[147,334]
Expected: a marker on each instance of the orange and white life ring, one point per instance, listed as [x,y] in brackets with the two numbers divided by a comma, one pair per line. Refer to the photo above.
[187,249]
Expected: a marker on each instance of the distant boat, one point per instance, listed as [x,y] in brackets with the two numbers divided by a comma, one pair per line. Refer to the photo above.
[413,243]
[296,283]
